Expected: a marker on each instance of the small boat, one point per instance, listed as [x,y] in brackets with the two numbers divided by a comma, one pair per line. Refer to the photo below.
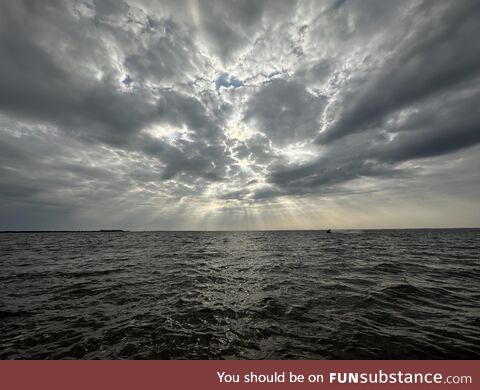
[329,231]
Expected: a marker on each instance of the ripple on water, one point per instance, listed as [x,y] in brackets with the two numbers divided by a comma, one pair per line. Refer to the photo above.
[240,295]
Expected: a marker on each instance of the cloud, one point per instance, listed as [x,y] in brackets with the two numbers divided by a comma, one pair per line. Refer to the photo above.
[172,114]
[285,111]
[432,60]
[166,54]
[228,27]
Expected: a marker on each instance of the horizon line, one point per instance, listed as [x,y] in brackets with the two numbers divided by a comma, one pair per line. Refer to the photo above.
[230,230]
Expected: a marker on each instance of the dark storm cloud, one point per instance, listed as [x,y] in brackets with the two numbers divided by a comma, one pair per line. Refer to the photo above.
[27,163]
[285,111]
[323,175]
[434,130]
[197,160]
[167,53]
[430,61]
[317,73]
[41,84]
[179,109]
[437,129]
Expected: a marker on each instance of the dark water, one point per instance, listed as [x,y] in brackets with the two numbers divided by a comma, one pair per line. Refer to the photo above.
[249,295]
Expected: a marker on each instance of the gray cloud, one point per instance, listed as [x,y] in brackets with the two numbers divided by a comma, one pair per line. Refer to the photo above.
[167,114]
[167,54]
[231,26]
[436,57]
[285,111]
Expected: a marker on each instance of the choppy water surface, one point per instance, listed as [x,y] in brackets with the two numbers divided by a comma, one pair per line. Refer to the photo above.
[240,295]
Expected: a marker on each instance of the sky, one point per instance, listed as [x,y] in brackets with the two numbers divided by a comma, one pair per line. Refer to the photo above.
[240,114]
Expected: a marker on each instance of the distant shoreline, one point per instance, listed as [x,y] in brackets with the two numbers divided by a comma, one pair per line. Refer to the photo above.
[233,231]
[66,231]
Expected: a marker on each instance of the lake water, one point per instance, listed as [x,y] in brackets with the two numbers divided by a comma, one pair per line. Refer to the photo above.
[240,295]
